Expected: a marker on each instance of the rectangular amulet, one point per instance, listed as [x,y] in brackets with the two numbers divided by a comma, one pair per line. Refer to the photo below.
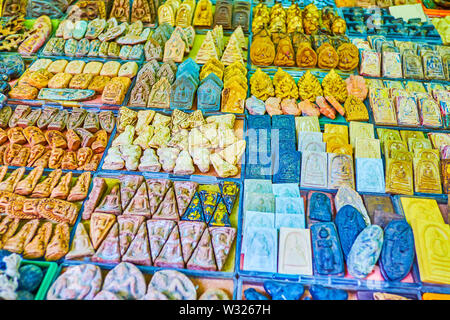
[287,167]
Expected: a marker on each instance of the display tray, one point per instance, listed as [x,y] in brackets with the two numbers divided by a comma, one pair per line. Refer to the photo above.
[192,109]
[374,280]
[240,132]
[103,154]
[434,12]
[201,281]
[228,32]
[79,204]
[40,54]
[397,127]
[287,4]
[441,196]
[198,40]
[297,74]
[50,269]
[294,69]
[95,102]
[253,66]
[112,179]
[442,128]
[354,292]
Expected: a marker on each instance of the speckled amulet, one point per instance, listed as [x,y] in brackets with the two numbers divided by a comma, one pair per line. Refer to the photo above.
[255,106]
[289,106]
[273,106]
[356,86]
[365,251]
[327,57]
[348,56]
[285,53]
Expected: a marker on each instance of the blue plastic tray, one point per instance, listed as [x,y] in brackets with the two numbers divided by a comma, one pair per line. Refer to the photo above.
[297,73]
[87,103]
[327,280]
[193,274]
[245,281]
[72,228]
[397,127]
[110,138]
[149,175]
[436,39]
[162,174]
[49,269]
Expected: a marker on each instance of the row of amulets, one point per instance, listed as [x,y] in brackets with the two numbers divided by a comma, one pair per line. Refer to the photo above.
[117,231]
[51,198]
[149,141]
[279,95]
[32,207]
